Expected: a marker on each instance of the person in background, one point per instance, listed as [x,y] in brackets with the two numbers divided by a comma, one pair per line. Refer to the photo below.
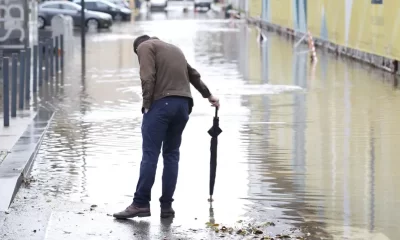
[166,77]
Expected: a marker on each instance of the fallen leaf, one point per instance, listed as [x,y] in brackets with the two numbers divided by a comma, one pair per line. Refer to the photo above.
[269,224]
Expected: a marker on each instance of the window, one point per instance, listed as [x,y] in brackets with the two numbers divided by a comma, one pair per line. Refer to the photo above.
[53,5]
[101,5]
[90,5]
[70,7]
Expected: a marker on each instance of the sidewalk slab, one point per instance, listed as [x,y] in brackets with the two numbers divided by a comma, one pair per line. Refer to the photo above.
[17,164]
[10,135]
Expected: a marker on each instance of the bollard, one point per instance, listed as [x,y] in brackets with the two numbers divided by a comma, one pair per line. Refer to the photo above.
[6,93]
[46,61]
[28,73]
[51,45]
[57,56]
[62,52]
[40,68]
[21,78]
[14,85]
[35,67]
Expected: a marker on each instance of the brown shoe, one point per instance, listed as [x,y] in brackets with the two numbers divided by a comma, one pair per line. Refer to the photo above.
[133,211]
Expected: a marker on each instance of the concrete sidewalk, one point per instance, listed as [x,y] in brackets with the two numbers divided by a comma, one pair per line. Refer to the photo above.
[19,143]
[10,135]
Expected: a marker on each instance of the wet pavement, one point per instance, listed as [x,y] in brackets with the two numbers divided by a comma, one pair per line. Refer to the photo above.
[18,162]
[306,147]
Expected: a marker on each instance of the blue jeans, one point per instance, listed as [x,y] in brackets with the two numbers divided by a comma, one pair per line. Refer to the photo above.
[162,124]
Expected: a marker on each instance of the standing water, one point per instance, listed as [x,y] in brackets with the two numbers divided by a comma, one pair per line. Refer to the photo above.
[310,147]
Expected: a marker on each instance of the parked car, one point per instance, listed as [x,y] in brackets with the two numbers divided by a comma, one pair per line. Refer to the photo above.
[118,13]
[158,4]
[49,9]
[203,3]
[121,3]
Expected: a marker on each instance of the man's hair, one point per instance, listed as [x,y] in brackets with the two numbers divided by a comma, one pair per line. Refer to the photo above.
[138,41]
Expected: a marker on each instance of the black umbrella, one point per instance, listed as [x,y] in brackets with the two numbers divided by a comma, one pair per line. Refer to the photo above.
[214,132]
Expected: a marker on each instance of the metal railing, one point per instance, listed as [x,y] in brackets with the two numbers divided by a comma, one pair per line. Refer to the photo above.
[25,72]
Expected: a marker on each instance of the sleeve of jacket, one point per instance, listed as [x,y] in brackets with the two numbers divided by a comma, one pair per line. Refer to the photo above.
[147,61]
[195,80]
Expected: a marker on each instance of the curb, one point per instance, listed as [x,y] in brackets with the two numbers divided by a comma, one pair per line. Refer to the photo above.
[380,62]
[18,163]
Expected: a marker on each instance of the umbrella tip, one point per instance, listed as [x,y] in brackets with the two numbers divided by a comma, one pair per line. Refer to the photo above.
[211,199]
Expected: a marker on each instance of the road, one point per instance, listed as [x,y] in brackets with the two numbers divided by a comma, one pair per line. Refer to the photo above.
[310,148]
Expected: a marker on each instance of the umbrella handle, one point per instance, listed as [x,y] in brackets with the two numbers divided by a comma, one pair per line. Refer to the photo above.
[216,112]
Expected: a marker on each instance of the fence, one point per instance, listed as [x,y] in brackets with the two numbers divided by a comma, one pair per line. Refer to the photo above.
[28,70]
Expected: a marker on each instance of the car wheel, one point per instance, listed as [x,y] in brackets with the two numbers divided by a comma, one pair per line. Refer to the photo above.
[118,17]
[41,23]
[92,24]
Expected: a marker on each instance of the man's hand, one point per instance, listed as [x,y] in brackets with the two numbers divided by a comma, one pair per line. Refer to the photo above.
[214,101]
[146,110]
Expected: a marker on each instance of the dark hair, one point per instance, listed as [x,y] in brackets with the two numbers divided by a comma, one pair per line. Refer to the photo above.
[138,41]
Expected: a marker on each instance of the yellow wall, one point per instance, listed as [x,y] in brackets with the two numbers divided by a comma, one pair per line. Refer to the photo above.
[372,28]
[255,8]
[281,12]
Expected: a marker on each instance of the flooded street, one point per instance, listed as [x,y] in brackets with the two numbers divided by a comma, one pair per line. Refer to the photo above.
[305,147]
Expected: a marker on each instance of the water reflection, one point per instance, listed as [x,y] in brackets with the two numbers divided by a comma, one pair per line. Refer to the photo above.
[330,129]
[322,159]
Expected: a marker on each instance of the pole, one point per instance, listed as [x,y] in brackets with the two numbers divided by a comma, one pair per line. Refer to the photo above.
[14,85]
[46,61]
[62,52]
[21,79]
[6,92]
[57,55]
[35,67]
[83,27]
[51,58]
[28,74]
[40,68]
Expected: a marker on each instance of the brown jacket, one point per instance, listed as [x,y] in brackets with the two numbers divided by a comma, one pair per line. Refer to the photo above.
[165,72]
